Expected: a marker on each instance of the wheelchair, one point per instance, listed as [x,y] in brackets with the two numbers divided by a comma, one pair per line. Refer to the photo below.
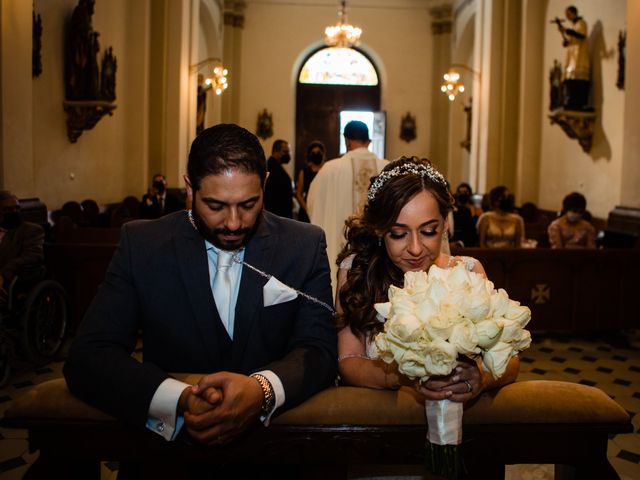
[33,319]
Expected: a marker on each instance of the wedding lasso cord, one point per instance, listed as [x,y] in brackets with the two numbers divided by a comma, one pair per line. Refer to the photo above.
[236,258]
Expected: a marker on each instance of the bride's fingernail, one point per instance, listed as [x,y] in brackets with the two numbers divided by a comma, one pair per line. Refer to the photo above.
[456,379]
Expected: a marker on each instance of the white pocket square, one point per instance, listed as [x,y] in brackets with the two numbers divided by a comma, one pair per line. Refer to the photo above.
[275,292]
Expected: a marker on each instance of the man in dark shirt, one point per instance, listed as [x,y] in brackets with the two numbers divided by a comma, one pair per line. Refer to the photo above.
[278,191]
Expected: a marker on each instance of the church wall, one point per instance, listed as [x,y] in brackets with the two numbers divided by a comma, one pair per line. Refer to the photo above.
[564,166]
[277,38]
[109,161]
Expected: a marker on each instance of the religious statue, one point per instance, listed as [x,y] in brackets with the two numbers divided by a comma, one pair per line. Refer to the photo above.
[108,76]
[408,127]
[265,125]
[90,89]
[36,56]
[555,86]
[577,67]
[201,103]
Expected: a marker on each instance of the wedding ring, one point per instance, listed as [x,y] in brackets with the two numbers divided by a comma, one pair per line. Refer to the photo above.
[469,387]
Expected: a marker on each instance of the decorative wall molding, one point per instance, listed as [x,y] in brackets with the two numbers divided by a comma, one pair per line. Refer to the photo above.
[84,115]
[577,125]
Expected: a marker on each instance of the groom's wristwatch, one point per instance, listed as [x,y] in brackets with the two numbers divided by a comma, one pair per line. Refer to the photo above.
[269,395]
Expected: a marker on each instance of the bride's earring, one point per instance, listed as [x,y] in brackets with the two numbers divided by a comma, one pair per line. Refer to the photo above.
[379,241]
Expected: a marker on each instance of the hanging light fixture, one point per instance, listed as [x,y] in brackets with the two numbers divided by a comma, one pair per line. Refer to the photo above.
[452,85]
[218,81]
[343,34]
[215,75]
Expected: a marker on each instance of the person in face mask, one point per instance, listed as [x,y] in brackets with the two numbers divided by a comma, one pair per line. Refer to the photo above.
[158,202]
[20,242]
[571,230]
[315,160]
[278,191]
[501,227]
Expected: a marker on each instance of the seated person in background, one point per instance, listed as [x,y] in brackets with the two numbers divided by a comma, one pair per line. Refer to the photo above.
[158,202]
[464,222]
[499,227]
[464,197]
[571,230]
[20,241]
[400,230]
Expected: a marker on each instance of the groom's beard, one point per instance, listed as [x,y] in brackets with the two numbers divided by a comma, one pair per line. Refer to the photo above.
[214,235]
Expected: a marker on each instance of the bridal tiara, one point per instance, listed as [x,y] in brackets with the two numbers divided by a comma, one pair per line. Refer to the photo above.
[421,170]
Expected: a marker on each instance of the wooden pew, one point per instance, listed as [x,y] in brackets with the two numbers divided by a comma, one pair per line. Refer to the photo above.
[568,290]
[526,422]
[80,269]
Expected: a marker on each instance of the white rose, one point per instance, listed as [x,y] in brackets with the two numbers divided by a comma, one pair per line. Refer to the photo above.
[426,310]
[499,303]
[437,273]
[497,358]
[522,343]
[412,365]
[382,348]
[476,306]
[404,327]
[440,357]
[440,327]
[384,310]
[464,338]
[415,282]
[518,313]
[402,305]
[488,332]
[459,278]
[450,305]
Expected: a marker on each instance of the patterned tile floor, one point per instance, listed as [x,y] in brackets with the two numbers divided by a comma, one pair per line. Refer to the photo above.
[611,363]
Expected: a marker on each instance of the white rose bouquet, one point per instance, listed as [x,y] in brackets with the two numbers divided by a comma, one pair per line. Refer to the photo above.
[433,320]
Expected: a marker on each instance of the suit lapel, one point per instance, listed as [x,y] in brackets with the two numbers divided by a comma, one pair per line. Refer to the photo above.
[194,267]
[259,253]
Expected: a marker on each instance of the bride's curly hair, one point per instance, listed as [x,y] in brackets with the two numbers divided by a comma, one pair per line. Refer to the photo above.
[372,271]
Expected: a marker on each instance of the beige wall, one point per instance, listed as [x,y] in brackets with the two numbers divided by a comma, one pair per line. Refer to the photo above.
[150,130]
[564,167]
[109,161]
[278,36]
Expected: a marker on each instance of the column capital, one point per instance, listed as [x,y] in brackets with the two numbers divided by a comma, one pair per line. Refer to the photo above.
[440,19]
[234,13]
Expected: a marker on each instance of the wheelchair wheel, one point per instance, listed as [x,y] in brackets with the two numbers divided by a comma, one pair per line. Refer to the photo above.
[44,321]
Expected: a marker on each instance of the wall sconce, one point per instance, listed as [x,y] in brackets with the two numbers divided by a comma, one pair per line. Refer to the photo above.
[452,85]
[215,75]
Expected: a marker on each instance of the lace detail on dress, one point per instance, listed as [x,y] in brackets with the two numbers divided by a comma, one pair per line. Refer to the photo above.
[469,262]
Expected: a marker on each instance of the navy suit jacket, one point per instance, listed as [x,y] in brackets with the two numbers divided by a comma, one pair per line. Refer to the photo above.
[158,284]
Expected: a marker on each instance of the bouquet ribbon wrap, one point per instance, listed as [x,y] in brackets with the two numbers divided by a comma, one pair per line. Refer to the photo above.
[444,419]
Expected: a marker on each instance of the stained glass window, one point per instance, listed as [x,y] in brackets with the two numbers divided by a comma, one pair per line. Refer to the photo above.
[338,66]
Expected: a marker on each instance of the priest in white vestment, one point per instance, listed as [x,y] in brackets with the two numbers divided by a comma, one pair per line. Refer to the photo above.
[339,190]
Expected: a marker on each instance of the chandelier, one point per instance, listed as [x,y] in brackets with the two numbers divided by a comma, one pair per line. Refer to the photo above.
[343,34]
[218,81]
[214,73]
[451,87]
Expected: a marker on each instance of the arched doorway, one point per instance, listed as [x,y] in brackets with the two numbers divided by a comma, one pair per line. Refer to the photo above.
[332,80]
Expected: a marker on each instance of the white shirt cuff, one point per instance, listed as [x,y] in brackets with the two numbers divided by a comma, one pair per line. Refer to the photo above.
[162,417]
[278,391]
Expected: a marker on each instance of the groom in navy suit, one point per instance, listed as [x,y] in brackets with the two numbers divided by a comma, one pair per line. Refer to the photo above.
[259,347]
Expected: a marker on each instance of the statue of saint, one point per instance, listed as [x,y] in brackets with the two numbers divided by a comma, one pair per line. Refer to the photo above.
[577,67]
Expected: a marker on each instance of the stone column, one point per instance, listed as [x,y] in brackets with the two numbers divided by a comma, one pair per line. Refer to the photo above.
[16,98]
[440,63]
[233,24]
[629,192]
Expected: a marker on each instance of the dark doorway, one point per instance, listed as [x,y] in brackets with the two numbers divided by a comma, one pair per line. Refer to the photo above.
[318,110]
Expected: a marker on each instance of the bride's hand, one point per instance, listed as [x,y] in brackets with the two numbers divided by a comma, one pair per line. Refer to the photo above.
[461,385]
